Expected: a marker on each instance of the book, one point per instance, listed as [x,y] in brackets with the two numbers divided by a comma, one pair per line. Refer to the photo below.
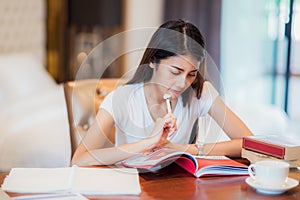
[277,146]
[254,157]
[3,195]
[63,196]
[199,166]
[89,181]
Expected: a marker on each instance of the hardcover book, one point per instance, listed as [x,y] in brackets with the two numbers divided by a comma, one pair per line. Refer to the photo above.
[199,166]
[273,145]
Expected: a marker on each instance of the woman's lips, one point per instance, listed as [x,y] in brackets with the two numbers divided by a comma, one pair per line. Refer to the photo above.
[175,92]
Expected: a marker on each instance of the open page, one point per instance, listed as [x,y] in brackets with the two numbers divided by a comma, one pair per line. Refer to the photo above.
[159,157]
[221,166]
[198,166]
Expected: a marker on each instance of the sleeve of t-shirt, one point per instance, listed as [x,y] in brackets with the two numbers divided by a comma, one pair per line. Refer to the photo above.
[208,96]
[107,103]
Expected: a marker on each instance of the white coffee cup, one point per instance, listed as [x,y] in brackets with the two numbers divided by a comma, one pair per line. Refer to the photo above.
[269,172]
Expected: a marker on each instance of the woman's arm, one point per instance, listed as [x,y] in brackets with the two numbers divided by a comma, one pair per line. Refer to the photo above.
[232,125]
[90,151]
[228,120]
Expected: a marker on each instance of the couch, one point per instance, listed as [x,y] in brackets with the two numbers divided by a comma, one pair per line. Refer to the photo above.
[34,130]
[45,130]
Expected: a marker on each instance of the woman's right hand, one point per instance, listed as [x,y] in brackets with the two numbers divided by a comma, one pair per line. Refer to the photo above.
[163,128]
[170,126]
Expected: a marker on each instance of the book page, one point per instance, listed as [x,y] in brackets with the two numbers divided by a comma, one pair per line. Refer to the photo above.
[37,180]
[159,156]
[106,181]
[213,157]
[148,159]
[3,195]
[220,167]
[61,196]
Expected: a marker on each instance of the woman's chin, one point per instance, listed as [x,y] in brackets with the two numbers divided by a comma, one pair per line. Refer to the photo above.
[174,96]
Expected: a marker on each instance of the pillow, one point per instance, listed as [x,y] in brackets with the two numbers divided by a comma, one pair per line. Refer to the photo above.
[34,132]
[22,75]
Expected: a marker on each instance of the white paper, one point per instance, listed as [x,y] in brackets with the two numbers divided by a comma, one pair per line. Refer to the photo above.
[67,196]
[106,181]
[37,180]
[73,179]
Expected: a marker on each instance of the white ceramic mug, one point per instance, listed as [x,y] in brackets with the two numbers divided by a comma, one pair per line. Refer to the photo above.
[269,172]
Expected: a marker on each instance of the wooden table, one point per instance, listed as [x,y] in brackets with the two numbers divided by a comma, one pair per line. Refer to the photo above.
[175,183]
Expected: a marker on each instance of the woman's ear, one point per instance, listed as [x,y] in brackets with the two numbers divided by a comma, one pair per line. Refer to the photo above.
[152,65]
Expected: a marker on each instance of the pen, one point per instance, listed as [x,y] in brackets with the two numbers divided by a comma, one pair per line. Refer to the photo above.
[167,98]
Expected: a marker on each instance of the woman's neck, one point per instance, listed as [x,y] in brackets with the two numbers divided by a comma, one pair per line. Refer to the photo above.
[153,94]
[155,102]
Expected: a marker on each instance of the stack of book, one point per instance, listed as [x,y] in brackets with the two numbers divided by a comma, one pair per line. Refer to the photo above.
[275,147]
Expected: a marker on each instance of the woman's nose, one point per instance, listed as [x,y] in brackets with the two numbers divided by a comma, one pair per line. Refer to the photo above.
[181,81]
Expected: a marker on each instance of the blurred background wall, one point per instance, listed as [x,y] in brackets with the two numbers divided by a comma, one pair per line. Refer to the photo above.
[23,27]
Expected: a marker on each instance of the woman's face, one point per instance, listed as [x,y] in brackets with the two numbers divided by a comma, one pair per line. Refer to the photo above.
[175,74]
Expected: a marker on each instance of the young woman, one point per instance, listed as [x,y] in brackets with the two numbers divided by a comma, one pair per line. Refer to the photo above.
[173,64]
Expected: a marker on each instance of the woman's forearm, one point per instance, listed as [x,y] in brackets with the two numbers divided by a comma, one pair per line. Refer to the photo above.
[109,156]
[230,148]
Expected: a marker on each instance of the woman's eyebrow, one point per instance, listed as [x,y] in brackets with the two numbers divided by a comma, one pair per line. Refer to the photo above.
[180,69]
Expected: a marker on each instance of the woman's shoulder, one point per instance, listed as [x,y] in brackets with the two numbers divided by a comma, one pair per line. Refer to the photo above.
[209,93]
[209,89]
[208,84]
[126,91]
[202,105]
[117,101]
[128,88]
[120,95]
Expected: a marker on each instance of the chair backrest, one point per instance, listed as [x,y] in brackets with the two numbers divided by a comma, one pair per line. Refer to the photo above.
[83,98]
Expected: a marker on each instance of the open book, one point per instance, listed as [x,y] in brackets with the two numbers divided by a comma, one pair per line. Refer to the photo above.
[90,181]
[198,166]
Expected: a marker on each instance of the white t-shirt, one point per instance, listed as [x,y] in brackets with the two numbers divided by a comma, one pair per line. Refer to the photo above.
[133,122]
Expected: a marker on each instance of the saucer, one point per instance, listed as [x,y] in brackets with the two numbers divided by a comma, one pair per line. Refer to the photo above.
[272,190]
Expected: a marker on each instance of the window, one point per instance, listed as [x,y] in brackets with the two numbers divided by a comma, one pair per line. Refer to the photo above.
[256,64]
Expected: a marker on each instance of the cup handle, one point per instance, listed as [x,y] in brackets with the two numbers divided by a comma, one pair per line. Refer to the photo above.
[251,170]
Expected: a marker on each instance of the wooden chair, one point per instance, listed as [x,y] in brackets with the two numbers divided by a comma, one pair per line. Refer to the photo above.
[83,98]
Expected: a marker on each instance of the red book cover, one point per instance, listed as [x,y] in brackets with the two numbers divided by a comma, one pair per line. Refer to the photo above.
[273,145]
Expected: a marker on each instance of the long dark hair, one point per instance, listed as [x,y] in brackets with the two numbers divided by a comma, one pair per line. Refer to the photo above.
[174,37]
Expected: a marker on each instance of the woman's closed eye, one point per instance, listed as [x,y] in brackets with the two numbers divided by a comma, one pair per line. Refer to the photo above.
[176,72]
[193,74]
